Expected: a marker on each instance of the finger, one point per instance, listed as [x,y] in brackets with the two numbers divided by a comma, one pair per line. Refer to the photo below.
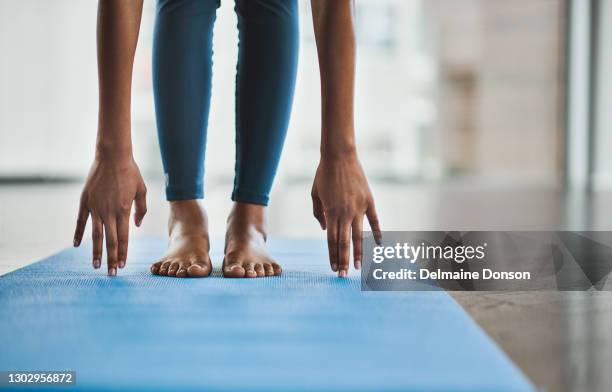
[357,236]
[110,232]
[97,237]
[344,246]
[373,219]
[332,242]
[123,233]
[317,210]
[140,203]
[80,224]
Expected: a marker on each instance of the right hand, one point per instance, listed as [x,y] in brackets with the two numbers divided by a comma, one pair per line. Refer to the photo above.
[111,187]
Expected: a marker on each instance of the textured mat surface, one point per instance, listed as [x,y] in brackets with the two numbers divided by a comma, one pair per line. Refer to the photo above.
[306,330]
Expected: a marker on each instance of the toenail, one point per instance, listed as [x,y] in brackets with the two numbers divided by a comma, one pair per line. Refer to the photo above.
[112,272]
[334,267]
[96,263]
[342,274]
[122,264]
[358,264]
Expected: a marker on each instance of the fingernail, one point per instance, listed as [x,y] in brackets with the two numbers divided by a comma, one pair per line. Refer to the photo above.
[358,264]
[96,263]
[342,274]
[334,267]
[122,264]
[112,271]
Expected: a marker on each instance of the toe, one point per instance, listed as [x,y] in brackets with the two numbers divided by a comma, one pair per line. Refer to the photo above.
[199,269]
[155,267]
[259,270]
[249,270]
[233,270]
[182,270]
[173,268]
[277,269]
[268,269]
[163,270]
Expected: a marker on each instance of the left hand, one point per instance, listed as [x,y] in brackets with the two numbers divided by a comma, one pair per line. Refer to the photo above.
[341,197]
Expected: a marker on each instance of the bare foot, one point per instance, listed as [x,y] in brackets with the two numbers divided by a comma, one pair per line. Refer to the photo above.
[188,248]
[245,244]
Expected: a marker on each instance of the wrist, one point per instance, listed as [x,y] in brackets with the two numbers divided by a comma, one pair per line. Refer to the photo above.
[338,151]
[113,151]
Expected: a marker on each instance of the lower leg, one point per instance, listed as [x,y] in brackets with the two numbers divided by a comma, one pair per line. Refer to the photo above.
[182,68]
[266,71]
[267,63]
[245,252]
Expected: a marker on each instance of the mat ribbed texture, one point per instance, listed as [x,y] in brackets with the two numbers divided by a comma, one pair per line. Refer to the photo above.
[304,331]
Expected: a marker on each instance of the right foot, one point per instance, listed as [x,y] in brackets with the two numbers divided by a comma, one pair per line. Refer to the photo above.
[188,248]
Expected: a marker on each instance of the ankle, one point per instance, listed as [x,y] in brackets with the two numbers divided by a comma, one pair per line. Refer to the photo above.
[247,215]
[188,213]
[185,205]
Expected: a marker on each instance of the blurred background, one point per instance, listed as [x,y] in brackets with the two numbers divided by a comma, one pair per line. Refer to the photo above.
[471,114]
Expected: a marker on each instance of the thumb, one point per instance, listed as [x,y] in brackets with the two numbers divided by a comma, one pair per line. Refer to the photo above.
[141,205]
[317,211]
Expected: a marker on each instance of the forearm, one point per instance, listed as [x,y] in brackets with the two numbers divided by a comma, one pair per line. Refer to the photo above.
[335,38]
[117,36]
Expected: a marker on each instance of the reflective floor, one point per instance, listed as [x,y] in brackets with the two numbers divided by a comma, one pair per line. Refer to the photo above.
[562,341]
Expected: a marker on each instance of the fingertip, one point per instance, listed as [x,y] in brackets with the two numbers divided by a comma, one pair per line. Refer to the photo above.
[378,238]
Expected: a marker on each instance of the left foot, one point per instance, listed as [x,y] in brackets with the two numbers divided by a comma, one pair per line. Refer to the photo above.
[245,244]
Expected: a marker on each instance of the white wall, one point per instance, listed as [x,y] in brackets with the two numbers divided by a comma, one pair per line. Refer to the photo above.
[603,119]
[48,93]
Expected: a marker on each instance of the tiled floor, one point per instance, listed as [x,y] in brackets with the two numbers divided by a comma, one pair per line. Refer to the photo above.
[562,341]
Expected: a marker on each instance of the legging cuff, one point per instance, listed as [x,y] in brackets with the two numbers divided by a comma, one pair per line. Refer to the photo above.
[173,193]
[250,197]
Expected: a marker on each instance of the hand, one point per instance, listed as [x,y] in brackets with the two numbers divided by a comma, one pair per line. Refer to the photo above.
[340,198]
[111,187]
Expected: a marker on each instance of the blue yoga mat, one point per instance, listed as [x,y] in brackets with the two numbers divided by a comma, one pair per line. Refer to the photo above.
[306,330]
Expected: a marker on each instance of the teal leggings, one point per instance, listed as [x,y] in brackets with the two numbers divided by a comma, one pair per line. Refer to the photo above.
[265,80]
